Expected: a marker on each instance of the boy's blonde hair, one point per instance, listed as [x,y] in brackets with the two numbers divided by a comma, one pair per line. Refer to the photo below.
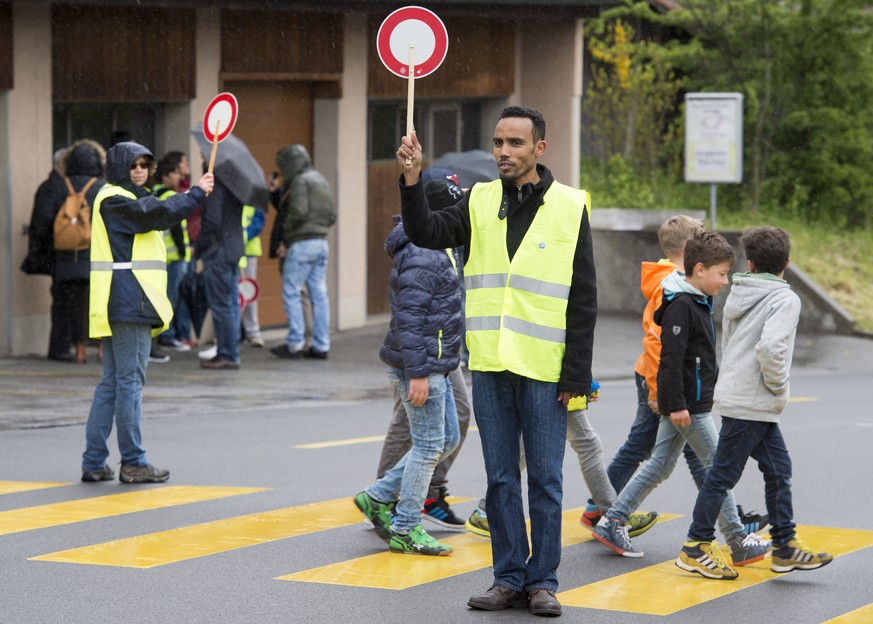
[676,231]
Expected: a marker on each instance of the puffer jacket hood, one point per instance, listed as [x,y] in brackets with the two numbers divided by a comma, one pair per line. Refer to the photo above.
[118,160]
[85,157]
[292,161]
[396,240]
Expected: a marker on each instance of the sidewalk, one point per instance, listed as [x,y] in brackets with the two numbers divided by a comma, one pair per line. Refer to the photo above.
[37,392]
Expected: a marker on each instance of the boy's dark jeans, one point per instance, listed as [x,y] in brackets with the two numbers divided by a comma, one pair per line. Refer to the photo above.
[737,441]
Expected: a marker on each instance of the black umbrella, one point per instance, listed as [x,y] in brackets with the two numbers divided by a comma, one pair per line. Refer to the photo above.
[192,289]
[236,168]
[470,166]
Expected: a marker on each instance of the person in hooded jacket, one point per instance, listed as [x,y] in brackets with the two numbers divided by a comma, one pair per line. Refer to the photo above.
[128,302]
[84,160]
[421,348]
[309,213]
[40,259]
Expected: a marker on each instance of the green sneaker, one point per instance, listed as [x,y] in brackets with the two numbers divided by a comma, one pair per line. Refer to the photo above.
[640,522]
[376,514]
[796,556]
[417,542]
[478,524]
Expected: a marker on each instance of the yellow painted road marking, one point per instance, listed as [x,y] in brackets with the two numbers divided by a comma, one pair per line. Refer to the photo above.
[864,615]
[346,442]
[350,441]
[803,399]
[664,589]
[199,540]
[13,487]
[29,518]
[387,570]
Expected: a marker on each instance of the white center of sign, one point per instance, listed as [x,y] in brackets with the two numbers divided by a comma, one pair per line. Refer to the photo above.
[222,111]
[416,32]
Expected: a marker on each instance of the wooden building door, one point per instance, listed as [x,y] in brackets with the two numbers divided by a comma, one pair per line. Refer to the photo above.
[272,114]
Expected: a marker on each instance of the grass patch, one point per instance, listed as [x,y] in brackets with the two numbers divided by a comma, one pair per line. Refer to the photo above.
[839,261]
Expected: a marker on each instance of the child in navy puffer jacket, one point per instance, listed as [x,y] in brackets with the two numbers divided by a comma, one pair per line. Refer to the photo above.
[422,346]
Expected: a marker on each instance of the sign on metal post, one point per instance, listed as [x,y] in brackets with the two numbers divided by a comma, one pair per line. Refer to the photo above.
[714,141]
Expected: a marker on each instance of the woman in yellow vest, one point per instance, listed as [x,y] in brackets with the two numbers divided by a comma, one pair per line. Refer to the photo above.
[531,306]
[128,302]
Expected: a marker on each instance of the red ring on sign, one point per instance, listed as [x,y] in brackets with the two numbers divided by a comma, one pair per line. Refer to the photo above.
[400,67]
[230,99]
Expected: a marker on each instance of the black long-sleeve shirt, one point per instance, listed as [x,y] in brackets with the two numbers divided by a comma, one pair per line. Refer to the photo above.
[450,227]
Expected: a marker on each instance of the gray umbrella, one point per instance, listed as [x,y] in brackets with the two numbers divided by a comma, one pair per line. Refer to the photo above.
[236,168]
[470,166]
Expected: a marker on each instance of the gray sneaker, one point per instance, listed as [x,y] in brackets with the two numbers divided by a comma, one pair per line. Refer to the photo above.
[613,534]
[746,549]
[104,474]
[131,473]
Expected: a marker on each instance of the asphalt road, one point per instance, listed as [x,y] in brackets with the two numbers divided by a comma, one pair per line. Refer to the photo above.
[298,435]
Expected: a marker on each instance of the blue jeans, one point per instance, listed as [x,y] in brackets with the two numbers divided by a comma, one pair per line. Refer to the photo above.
[703,438]
[306,263]
[739,440]
[640,440]
[118,397]
[508,408]
[180,326]
[220,276]
[434,430]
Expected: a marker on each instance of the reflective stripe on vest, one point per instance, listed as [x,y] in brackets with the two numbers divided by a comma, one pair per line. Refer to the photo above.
[162,192]
[148,263]
[516,312]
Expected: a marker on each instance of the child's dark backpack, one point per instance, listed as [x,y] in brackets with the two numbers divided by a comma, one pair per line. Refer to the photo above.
[72,229]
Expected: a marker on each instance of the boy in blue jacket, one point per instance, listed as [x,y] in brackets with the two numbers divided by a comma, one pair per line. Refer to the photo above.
[759,325]
[421,348]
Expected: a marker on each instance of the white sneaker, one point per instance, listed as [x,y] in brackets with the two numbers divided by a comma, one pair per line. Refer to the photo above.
[208,353]
[257,341]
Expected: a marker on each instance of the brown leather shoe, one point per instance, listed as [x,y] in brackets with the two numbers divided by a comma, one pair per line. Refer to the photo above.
[498,597]
[543,602]
[219,364]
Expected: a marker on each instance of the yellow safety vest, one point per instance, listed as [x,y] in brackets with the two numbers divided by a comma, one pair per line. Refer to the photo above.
[253,246]
[148,262]
[516,312]
[162,193]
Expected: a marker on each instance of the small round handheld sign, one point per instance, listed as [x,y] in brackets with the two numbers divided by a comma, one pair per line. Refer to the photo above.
[412,43]
[219,120]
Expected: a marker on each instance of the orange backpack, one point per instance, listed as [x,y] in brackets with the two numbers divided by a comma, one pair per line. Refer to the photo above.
[72,229]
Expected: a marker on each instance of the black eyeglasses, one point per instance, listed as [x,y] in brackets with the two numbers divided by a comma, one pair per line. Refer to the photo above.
[139,165]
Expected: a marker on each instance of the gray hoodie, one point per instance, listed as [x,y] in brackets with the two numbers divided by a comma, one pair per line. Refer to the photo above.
[760,321]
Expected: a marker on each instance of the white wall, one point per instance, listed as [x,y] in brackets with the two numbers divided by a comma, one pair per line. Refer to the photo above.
[550,74]
[26,145]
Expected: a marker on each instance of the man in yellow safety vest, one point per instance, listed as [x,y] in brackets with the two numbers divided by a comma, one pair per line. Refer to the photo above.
[531,306]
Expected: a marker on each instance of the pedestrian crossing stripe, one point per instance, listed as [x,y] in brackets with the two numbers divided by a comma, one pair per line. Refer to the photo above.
[864,615]
[199,540]
[387,570]
[14,487]
[68,512]
[664,589]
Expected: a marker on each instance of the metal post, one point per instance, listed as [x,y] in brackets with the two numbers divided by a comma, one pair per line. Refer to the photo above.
[712,202]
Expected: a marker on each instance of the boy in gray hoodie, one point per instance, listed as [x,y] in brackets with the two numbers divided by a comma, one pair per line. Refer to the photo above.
[759,325]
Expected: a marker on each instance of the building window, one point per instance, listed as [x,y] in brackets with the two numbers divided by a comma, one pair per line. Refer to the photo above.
[72,122]
[441,126]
